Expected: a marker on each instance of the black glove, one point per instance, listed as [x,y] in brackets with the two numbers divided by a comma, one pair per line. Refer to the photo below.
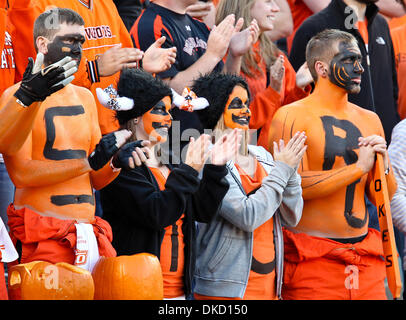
[40,85]
[104,151]
[120,160]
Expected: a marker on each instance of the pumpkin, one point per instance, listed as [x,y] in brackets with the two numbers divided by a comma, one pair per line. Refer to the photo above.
[41,280]
[135,277]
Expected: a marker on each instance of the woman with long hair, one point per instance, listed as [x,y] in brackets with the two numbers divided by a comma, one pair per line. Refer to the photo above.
[271,79]
[240,250]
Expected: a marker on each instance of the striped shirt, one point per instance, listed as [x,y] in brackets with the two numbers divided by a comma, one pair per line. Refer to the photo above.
[397,156]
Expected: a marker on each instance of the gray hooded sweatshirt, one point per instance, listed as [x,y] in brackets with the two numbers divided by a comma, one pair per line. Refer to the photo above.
[224,245]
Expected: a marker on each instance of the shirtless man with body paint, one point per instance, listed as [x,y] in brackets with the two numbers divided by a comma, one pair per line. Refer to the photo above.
[342,141]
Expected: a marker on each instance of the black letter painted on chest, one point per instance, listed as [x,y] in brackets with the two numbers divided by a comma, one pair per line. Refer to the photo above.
[49,151]
[336,146]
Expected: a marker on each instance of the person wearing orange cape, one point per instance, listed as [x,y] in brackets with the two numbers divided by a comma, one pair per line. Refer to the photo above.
[331,253]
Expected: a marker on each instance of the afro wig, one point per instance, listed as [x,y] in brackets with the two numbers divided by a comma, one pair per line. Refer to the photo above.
[216,88]
[144,89]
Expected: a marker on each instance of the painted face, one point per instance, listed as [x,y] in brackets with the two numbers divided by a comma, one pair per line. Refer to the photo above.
[264,11]
[237,113]
[158,120]
[67,42]
[346,68]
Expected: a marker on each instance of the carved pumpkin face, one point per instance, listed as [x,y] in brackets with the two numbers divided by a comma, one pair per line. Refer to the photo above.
[41,280]
[136,277]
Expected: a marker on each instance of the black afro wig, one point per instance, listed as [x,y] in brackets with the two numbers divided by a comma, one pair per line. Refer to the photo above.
[144,89]
[216,88]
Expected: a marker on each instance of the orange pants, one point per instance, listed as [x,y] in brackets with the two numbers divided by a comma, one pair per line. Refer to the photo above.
[51,239]
[323,269]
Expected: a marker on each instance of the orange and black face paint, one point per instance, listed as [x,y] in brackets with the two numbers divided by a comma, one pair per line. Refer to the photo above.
[158,120]
[346,68]
[237,113]
[63,46]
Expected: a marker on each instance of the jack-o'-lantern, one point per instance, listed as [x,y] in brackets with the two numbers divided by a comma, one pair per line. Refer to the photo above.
[41,280]
[136,277]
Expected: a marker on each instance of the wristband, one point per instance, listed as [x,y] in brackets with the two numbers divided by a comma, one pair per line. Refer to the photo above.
[93,71]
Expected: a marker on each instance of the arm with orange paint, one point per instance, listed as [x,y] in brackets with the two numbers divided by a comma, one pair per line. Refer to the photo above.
[318,184]
[26,172]
[15,122]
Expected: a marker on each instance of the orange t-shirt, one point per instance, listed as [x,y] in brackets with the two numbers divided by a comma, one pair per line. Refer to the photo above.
[261,283]
[172,251]
[363,30]
[399,46]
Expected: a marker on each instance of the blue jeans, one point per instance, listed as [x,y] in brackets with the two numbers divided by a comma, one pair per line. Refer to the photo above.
[6,192]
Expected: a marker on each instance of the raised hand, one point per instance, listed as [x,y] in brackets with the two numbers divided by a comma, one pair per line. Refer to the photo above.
[277,73]
[37,84]
[198,152]
[118,58]
[242,41]
[157,59]
[199,10]
[293,152]
[226,148]
[107,148]
[220,36]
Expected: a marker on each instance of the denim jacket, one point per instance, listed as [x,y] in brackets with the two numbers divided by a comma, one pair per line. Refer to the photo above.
[224,245]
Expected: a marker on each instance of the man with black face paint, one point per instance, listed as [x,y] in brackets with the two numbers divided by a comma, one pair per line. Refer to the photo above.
[63,159]
[342,141]
[379,89]
[346,68]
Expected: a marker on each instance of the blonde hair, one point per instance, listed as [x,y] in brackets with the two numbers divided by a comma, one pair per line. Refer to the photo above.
[268,50]
[221,128]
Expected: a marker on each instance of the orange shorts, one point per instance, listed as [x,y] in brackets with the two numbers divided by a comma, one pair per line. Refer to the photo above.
[323,269]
